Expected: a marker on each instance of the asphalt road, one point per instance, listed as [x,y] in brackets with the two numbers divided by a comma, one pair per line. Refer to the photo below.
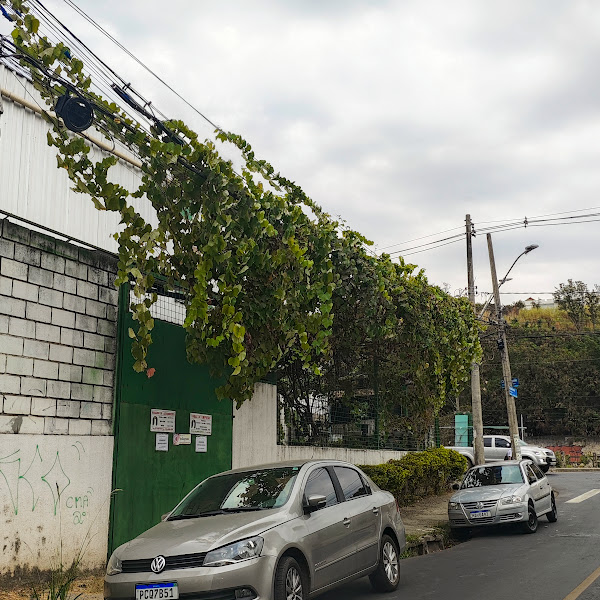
[502,563]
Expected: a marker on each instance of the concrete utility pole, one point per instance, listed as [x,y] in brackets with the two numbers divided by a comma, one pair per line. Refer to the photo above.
[513,424]
[475,380]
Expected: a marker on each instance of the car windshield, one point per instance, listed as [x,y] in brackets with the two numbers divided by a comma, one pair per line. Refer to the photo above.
[238,492]
[496,475]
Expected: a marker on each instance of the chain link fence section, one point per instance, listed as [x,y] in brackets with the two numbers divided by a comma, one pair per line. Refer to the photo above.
[170,306]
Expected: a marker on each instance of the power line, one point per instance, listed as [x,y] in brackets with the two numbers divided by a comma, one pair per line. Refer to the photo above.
[136,59]
[507,225]
[420,238]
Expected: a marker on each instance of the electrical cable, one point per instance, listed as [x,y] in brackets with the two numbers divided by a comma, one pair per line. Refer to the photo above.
[130,54]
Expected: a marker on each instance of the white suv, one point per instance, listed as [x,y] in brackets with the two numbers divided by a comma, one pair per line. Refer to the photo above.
[496,447]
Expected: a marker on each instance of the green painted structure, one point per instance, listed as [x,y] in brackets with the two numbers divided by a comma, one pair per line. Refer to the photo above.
[151,482]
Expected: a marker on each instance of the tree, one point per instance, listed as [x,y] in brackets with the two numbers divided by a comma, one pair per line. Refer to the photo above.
[571,297]
[592,299]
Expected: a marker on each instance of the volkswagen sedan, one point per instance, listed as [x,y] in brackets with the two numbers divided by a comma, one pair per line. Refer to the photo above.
[502,492]
[279,531]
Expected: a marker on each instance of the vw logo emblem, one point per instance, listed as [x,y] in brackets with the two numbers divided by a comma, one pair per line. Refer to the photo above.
[158,564]
[479,505]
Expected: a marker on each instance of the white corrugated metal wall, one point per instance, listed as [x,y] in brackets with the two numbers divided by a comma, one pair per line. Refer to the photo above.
[33,188]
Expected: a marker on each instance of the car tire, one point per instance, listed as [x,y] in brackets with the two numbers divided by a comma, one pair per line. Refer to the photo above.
[387,575]
[291,582]
[531,525]
[552,516]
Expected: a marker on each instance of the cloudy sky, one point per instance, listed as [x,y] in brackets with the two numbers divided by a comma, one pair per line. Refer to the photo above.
[398,116]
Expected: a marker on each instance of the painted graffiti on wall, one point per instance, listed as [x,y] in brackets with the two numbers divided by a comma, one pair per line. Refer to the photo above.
[34,480]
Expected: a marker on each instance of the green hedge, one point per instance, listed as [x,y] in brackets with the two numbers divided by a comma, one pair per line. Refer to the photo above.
[418,474]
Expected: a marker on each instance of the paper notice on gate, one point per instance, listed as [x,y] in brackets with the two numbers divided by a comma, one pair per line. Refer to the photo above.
[162,442]
[200,424]
[201,443]
[162,420]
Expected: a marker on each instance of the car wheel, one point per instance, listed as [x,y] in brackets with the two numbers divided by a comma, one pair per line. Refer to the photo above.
[387,575]
[531,525]
[552,516]
[290,580]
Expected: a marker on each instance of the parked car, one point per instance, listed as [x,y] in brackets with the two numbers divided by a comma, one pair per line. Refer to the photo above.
[497,447]
[502,492]
[281,531]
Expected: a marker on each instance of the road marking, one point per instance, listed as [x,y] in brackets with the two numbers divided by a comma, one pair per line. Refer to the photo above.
[583,497]
[584,585]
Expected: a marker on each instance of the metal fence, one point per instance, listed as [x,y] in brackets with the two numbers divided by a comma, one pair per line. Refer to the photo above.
[169,307]
[360,423]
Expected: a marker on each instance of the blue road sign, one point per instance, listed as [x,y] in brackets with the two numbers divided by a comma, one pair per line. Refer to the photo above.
[512,391]
[515,383]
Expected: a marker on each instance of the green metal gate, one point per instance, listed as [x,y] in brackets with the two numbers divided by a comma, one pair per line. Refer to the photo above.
[151,482]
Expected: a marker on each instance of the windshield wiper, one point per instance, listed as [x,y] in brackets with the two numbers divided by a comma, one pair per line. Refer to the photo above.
[208,513]
[243,509]
[212,513]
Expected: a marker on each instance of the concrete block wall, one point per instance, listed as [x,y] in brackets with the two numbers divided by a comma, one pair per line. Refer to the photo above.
[58,323]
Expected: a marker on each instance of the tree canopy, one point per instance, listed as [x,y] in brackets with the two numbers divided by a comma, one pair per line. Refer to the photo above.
[269,279]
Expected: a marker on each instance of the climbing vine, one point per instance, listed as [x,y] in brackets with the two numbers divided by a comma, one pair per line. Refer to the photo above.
[258,262]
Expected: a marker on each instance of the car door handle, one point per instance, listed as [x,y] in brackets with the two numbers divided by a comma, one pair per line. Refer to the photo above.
[347,522]
[375,510]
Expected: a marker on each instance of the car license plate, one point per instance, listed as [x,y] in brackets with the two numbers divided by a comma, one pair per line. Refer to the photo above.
[480,514]
[156,591]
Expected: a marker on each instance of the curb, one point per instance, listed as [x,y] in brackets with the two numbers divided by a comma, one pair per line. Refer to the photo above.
[575,470]
[427,544]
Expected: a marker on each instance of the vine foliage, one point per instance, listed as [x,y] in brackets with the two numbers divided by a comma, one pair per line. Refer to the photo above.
[260,265]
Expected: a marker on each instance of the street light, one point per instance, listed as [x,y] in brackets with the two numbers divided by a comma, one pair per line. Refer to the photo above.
[513,426]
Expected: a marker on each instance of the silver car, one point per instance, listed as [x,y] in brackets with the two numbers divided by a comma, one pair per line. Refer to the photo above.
[280,531]
[502,492]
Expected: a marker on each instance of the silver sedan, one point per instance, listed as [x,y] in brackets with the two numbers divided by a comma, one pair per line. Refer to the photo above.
[502,492]
[281,531]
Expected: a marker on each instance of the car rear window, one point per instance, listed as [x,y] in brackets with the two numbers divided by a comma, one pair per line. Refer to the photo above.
[351,483]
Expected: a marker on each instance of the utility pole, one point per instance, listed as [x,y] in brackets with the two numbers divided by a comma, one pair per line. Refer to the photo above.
[513,425]
[475,380]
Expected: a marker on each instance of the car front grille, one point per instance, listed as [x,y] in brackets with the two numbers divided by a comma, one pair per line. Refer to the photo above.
[220,595]
[182,561]
[487,504]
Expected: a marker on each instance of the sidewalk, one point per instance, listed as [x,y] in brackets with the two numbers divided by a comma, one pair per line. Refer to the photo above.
[423,516]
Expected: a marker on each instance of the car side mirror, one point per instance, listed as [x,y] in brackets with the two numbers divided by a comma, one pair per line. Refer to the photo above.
[315,502]
[456,486]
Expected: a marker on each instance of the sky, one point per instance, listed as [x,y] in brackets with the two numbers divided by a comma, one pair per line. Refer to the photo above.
[398,117]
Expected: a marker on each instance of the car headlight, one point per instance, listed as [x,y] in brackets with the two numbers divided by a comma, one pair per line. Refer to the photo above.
[228,555]
[115,566]
[453,505]
[537,453]
[511,500]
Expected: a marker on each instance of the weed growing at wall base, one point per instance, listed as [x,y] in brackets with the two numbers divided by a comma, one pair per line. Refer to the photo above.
[62,577]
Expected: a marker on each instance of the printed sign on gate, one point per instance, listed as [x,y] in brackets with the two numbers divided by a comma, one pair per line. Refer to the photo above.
[200,424]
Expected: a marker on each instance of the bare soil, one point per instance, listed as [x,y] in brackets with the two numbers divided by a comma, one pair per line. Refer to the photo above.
[20,588]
